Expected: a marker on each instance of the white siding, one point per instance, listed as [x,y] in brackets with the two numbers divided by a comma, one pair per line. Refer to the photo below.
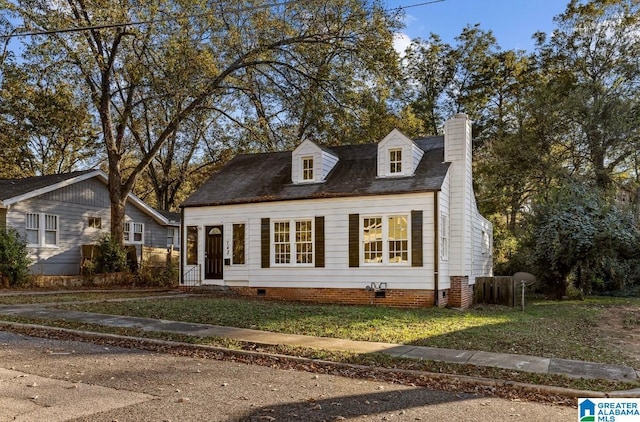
[416,156]
[306,149]
[443,204]
[482,248]
[458,152]
[336,272]
[467,225]
[327,163]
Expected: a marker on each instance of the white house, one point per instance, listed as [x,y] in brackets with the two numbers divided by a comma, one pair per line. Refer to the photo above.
[393,223]
[56,214]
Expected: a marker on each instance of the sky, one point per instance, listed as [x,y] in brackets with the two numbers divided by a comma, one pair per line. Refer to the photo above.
[512,22]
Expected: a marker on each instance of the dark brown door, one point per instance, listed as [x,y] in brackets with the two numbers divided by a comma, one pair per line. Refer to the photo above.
[213,253]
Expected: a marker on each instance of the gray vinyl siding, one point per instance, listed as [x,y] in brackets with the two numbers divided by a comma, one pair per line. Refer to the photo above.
[90,192]
[73,205]
[155,235]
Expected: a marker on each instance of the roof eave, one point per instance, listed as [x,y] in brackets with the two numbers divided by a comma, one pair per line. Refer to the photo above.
[159,218]
[325,195]
[153,213]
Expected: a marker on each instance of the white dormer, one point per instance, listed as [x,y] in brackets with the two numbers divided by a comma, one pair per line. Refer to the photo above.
[311,163]
[398,155]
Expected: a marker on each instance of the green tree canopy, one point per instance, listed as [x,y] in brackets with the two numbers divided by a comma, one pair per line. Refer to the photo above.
[593,60]
[200,55]
[577,233]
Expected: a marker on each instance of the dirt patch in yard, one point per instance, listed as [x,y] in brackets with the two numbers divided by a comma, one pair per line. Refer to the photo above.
[620,325]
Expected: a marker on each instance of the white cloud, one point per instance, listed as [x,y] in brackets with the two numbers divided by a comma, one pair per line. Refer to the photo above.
[400,42]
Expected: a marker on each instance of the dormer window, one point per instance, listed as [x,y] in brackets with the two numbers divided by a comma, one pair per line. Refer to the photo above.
[398,156]
[307,168]
[395,161]
[311,163]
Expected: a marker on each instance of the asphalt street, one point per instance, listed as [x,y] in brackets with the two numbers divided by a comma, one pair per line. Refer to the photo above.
[42,379]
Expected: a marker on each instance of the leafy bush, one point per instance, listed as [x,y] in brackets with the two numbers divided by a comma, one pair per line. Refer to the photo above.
[111,256]
[579,236]
[165,276]
[14,260]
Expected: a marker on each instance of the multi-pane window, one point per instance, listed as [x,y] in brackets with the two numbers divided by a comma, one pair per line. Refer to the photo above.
[304,242]
[281,242]
[486,243]
[395,161]
[372,236]
[192,245]
[398,240]
[133,232]
[238,243]
[444,236]
[293,248]
[94,222]
[307,168]
[50,230]
[385,239]
[42,229]
[32,224]
[173,237]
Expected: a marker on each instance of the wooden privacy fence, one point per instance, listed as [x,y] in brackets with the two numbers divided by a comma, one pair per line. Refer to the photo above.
[151,257]
[159,257]
[495,291]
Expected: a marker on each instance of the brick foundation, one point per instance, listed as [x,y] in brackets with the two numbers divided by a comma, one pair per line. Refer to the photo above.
[443,298]
[461,293]
[392,297]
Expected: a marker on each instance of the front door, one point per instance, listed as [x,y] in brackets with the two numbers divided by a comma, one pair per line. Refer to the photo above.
[213,253]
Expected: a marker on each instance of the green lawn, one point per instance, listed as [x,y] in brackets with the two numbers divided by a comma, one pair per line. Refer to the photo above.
[546,328]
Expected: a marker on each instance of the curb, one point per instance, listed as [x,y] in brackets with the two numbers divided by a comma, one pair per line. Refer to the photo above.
[419,378]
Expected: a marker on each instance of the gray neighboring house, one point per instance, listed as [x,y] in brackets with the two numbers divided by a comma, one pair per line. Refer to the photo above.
[173,229]
[57,214]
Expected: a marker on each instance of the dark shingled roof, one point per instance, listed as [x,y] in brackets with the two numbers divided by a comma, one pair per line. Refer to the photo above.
[249,178]
[171,216]
[10,188]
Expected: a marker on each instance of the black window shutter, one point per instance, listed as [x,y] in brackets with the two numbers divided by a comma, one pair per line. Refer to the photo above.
[265,243]
[319,242]
[416,238]
[354,240]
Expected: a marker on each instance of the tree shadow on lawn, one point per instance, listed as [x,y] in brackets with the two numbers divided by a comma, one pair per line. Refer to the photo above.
[551,329]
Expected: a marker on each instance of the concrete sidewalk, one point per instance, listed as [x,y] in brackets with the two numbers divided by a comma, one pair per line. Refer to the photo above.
[571,368]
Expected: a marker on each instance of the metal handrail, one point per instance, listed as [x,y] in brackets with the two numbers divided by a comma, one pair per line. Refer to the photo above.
[192,277]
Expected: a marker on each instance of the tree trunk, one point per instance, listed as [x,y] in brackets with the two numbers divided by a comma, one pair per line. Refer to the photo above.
[118,201]
[561,290]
